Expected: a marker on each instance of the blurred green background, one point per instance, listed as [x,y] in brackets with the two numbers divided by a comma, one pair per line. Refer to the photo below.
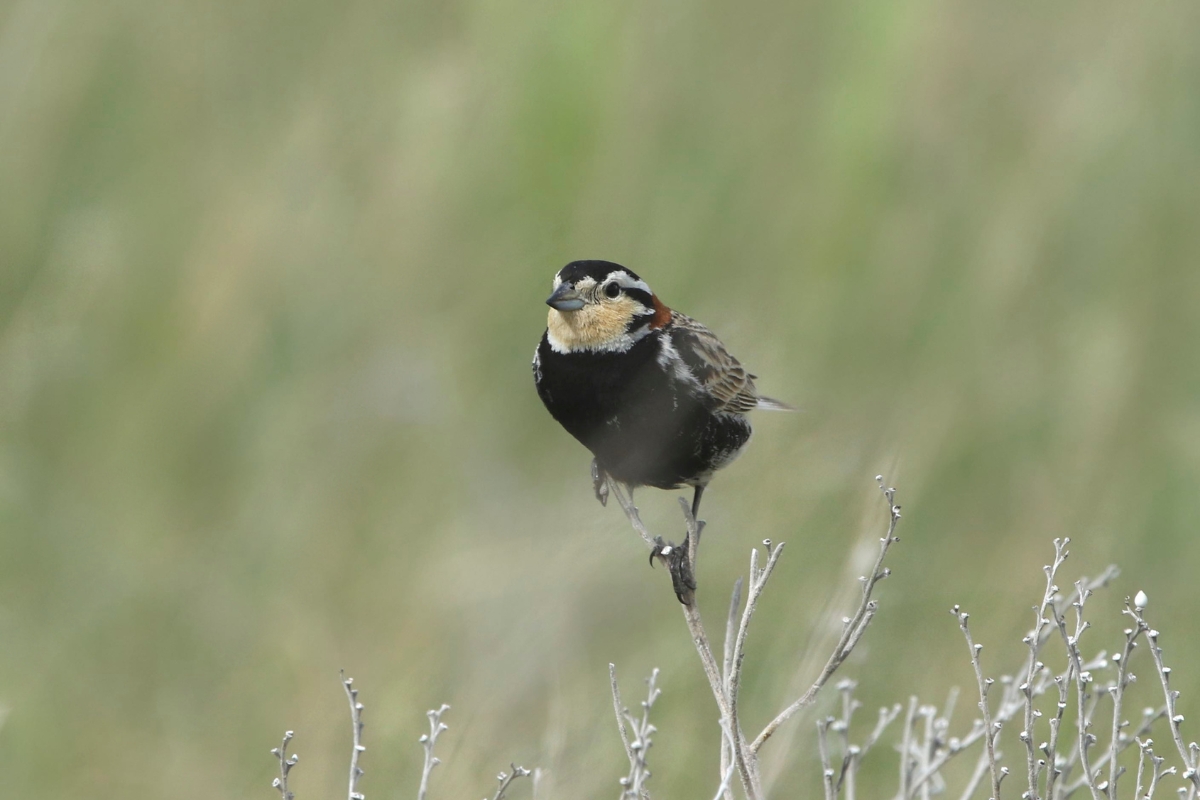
[271,277]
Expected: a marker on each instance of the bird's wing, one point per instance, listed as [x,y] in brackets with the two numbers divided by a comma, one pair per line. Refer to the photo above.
[722,377]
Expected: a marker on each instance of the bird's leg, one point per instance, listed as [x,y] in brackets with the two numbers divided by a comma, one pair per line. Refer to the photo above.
[699,490]
[600,483]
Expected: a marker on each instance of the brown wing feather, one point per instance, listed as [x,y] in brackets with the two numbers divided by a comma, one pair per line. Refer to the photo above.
[721,375]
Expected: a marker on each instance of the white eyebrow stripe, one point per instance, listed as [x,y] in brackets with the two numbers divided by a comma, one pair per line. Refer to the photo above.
[625,280]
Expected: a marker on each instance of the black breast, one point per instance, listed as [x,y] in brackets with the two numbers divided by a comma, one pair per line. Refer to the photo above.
[643,423]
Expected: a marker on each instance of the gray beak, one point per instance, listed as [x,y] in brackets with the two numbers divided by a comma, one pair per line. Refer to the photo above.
[565,298]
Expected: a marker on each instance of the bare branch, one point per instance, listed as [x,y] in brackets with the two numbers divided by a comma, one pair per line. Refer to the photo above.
[1050,748]
[506,778]
[758,582]
[356,725]
[619,709]
[990,728]
[856,753]
[1141,770]
[1149,717]
[286,763]
[1011,701]
[1032,666]
[695,624]
[1083,676]
[886,717]
[428,742]
[1156,770]
[731,626]
[928,742]
[1118,693]
[633,786]
[1187,754]
[691,615]
[827,772]
[852,629]
[724,789]
[906,746]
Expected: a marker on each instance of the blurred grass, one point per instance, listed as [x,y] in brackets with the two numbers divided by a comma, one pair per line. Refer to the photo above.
[272,276]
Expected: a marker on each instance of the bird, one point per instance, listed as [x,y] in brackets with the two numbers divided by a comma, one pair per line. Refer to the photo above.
[652,393]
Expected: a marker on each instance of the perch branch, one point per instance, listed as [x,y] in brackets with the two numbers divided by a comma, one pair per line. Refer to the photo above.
[695,625]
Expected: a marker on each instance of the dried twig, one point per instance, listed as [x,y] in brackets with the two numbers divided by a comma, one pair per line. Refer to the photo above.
[728,743]
[619,710]
[1149,717]
[906,746]
[990,728]
[731,626]
[506,778]
[1187,754]
[724,789]
[286,763]
[928,743]
[724,677]
[691,614]
[356,725]
[1083,677]
[1011,702]
[633,786]
[1117,691]
[827,772]
[428,742]
[1050,748]
[856,753]
[1146,753]
[925,746]
[853,627]
[1032,666]
[758,582]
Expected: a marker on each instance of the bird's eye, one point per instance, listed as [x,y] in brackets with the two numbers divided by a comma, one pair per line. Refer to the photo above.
[612,290]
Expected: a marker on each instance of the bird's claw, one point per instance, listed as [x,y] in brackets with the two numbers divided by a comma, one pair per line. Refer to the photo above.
[600,483]
[683,581]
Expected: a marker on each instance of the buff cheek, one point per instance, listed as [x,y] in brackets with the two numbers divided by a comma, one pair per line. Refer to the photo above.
[597,326]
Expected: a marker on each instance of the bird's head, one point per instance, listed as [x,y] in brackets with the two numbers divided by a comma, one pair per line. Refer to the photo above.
[601,306]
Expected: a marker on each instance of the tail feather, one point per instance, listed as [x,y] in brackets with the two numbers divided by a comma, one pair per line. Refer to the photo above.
[771,404]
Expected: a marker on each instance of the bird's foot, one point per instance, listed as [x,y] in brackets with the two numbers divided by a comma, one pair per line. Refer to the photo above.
[600,482]
[683,580]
